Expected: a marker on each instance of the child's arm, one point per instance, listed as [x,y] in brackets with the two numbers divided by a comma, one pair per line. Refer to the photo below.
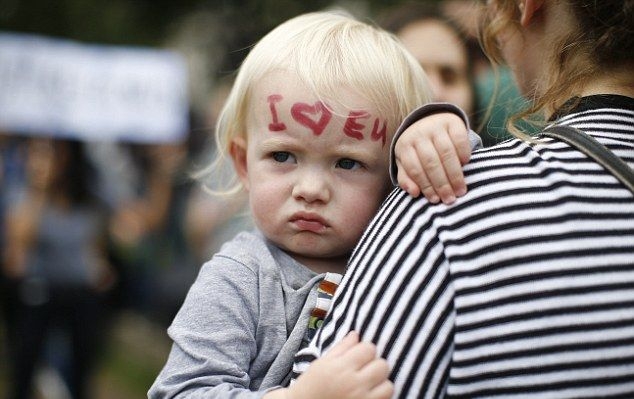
[349,370]
[429,150]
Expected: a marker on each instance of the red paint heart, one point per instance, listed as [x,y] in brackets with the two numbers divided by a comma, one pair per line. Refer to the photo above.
[302,112]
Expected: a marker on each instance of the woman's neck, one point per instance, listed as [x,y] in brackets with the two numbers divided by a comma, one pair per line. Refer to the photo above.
[616,82]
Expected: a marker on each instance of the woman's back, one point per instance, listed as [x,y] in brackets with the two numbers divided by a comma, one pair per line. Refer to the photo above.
[543,272]
[524,286]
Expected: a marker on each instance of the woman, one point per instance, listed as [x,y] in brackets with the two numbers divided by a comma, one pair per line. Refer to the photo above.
[55,257]
[441,49]
[523,286]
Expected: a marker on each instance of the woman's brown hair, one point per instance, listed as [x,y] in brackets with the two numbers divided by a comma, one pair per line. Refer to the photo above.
[601,39]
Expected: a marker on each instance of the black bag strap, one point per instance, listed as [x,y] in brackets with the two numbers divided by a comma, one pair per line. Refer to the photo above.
[595,150]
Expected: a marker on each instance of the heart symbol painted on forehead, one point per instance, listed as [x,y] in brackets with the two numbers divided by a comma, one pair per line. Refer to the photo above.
[315,117]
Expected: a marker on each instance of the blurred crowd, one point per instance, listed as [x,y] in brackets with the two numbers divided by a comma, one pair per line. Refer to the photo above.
[91,228]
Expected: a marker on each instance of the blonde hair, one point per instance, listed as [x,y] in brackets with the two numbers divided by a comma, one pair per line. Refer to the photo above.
[326,50]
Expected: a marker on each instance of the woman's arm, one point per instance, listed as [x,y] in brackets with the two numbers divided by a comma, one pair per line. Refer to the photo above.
[21,228]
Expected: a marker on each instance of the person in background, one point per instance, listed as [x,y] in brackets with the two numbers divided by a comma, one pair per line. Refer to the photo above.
[496,92]
[308,126]
[55,256]
[148,232]
[523,286]
[440,48]
[12,156]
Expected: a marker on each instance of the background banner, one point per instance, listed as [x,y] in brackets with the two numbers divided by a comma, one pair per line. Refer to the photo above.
[91,92]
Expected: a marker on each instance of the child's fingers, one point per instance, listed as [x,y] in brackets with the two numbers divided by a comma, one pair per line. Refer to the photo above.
[432,160]
[460,138]
[451,182]
[385,390]
[358,356]
[419,186]
[376,374]
[405,182]
[375,371]
[412,176]
[349,341]
[430,155]
[410,173]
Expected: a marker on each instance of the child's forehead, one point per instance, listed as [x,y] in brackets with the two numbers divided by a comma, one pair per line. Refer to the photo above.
[282,104]
[288,89]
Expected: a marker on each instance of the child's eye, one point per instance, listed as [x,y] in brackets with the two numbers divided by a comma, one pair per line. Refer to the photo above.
[282,156]
[347,163]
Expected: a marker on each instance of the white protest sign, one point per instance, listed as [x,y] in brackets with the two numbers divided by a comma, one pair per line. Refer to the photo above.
[91,92]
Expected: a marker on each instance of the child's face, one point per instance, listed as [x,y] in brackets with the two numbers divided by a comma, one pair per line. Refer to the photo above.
[315,176]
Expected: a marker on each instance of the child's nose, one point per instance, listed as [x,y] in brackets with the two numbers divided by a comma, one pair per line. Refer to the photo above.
[312,186]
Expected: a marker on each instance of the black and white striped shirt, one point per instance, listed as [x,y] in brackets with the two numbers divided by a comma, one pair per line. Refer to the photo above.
[522,288]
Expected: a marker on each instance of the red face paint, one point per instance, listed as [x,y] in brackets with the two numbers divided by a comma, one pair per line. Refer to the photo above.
[377,134]
[352,128]
[303,113]
[317,116]
[276,125]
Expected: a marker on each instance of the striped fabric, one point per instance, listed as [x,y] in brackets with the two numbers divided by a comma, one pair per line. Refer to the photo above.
[524,288]
[325,292]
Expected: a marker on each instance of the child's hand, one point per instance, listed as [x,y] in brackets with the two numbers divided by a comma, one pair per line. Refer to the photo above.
[429,156]
[349,370]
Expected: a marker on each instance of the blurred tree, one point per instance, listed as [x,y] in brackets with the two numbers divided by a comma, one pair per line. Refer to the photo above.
[135,22]
[147,22]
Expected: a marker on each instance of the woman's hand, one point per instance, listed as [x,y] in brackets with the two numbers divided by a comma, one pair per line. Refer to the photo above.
[429,156]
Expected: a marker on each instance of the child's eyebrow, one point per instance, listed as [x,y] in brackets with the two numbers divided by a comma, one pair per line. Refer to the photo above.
[273,143]
[353,151]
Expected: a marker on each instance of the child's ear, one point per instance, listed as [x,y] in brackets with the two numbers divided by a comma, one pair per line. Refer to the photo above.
[238,152]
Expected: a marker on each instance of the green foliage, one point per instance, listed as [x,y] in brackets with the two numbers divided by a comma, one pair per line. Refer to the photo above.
[146,22]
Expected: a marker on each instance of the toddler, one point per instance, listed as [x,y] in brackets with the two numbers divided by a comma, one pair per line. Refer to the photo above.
[308,126]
